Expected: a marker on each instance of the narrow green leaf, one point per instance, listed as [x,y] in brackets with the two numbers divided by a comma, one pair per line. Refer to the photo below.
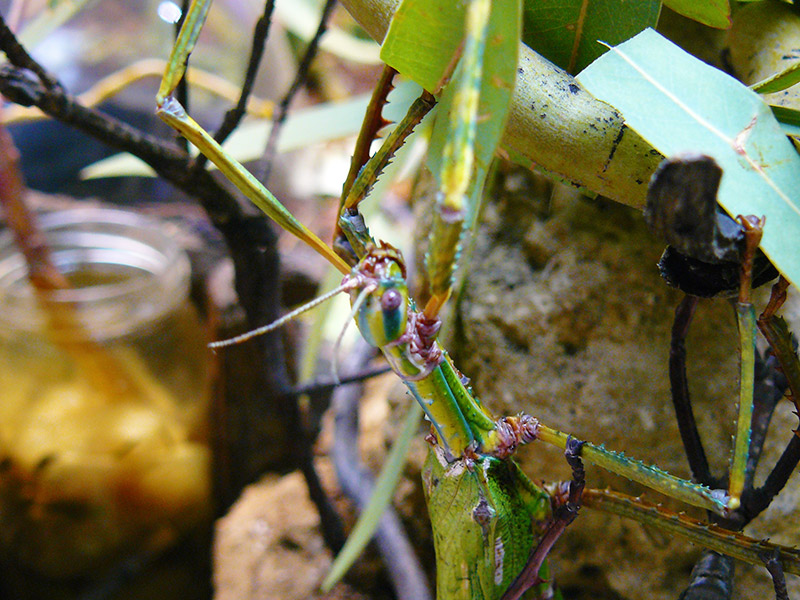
[384,488]
[496,89]
[566,31]
[778,82]
[680,104]
[714,13]
[423,39]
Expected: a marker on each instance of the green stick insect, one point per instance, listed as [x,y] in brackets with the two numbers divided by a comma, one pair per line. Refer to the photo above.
[492,526]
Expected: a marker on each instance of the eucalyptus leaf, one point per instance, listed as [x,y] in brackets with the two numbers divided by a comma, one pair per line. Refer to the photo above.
[423,39]
[566,31]
[714,13]
[778,82]
[679,104]
[496,87]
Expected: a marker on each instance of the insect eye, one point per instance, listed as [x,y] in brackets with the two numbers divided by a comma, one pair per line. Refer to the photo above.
[390,300]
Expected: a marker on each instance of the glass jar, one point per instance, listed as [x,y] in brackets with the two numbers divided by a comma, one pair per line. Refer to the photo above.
[103,442]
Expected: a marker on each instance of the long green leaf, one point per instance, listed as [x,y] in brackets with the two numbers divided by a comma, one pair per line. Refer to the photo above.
[423,39]
[566,31]
[680,104]
[496,88]
[384,488]
[778,82]
[714,13]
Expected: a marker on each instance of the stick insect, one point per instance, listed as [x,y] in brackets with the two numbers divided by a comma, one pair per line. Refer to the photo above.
[493,527]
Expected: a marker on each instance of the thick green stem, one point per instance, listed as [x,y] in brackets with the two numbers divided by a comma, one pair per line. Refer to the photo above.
[556,125]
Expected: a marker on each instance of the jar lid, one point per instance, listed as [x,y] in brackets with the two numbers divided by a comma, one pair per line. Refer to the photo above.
[128,270]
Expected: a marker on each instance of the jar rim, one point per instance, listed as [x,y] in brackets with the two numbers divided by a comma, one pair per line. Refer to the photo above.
[153,271]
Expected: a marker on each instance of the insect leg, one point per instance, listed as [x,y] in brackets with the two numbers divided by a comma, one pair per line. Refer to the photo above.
[746,319]
[563,515]
[458,160]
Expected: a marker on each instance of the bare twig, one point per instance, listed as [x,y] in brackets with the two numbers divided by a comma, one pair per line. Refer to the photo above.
[17,54]
[279,116]
[182,89]
[260,33]
[692,444]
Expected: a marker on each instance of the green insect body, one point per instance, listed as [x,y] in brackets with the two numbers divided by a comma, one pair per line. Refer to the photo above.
[486,516]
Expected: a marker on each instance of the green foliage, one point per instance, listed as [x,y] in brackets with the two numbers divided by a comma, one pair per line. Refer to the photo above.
[714,13]
[496,87]
[423,39]
[680,104]
[566,32]
[780,81]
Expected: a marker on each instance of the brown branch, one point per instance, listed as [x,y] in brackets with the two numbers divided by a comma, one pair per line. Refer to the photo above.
[279,116]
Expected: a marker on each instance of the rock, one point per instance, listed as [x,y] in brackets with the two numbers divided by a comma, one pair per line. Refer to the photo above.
[564,316]
[268,547]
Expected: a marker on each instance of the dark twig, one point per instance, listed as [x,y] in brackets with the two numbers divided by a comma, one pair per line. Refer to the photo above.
[234,116]
[279,116]
[773,564]
[260,33]
[692,444]
[182,89]
[760,498]
[17,55]
[357,483]
[563,515]
[769,388]
[711,578]
[317,387]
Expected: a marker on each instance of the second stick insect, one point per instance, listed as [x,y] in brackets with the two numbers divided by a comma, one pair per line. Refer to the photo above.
[492,526]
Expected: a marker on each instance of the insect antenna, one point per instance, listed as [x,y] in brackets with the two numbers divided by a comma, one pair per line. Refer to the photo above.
[283,320]
[362,296]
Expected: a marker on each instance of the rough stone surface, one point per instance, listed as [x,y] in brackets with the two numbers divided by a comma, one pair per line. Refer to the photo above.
[564,316]
[268,547]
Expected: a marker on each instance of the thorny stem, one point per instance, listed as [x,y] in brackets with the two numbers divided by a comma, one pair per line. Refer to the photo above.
[370,126]
[692,444]
[234,116]
[279,116]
